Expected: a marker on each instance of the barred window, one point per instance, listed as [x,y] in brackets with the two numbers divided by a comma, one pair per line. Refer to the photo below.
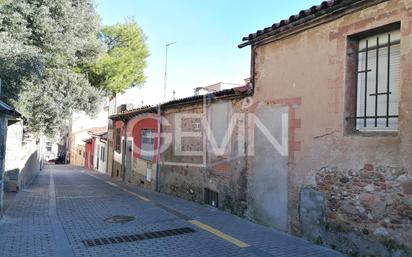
[378,82]
[147,145]
[102,153]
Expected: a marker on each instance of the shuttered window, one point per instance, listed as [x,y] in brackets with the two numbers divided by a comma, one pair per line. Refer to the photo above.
[378,82]
[147,146]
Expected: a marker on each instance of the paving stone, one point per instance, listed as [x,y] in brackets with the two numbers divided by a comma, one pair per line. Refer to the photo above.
[85,200]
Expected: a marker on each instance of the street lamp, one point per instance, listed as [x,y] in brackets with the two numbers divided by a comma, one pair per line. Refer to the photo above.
[159,122]
[165,78]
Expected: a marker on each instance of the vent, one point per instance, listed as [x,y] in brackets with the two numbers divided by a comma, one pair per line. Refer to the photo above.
[139,237]
[211,197]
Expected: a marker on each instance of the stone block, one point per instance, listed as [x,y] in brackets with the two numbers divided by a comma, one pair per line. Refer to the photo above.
[407,187]
[312,206]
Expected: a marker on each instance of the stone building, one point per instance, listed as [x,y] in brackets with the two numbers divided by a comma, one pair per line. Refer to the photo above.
[188,167]
[343,71]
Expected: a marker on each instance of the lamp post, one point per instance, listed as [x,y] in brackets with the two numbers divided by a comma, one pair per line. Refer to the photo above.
[159,122]
[165,78]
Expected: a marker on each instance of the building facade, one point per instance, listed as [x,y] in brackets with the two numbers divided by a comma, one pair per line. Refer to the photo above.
[318,144]
[343,71]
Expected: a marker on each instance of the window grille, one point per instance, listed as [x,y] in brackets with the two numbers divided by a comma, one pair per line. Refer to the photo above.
[378,82]
[147,145]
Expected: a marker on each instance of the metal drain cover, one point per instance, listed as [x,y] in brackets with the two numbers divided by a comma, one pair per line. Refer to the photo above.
[120,219]
[138,237]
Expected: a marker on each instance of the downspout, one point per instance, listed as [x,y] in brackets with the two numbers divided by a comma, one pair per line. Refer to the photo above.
[253,68]
[124,150]
[113,138]
[159,128]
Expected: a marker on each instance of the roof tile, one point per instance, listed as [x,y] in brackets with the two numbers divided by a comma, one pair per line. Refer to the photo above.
[293,18]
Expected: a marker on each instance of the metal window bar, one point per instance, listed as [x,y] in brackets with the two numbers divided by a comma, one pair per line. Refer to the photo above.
[388,80]
[366,50]
[366,82]
[371,48]
[376,82]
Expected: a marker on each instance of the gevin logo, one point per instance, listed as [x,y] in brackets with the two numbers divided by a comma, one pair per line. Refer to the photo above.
[205,133]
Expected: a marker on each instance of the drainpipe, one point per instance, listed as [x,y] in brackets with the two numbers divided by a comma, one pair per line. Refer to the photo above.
[159,128]
[124,150]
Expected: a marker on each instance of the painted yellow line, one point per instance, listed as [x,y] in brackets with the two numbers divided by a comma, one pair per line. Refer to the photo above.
[130,192]
[220,234]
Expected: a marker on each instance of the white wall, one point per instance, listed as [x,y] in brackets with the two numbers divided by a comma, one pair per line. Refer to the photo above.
[97,156]
[14,146]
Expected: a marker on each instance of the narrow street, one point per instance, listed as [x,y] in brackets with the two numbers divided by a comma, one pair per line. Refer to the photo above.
[65,212]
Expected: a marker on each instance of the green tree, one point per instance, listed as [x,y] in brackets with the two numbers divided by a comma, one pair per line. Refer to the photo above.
[44,44]
[122,66]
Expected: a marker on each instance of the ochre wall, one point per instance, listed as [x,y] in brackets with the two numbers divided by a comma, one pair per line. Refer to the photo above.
[309,69]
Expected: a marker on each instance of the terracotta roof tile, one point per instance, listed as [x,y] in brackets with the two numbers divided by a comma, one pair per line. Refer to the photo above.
[294,18]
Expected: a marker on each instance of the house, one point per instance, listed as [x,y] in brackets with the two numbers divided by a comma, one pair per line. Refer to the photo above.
[181,167]
[81,125]
[51,151]
[77,145]
[342,71]
[139,127]
[89,153]
[95,152]
[100,151]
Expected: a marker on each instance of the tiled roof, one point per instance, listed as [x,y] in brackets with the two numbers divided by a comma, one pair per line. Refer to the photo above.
[311,13]
[243,90]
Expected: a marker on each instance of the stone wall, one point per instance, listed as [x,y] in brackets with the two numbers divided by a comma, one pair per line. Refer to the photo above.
[188,175]
[365,212]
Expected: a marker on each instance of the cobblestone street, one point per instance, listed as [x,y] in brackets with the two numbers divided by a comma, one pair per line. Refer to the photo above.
[63,214]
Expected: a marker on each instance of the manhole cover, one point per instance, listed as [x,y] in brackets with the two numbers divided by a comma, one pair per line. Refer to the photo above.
[120,219]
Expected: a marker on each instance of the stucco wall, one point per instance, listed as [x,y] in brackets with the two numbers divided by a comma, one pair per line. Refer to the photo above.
[311,68]
[187,174]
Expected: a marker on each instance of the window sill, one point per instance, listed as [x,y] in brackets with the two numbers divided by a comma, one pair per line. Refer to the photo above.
[374,133]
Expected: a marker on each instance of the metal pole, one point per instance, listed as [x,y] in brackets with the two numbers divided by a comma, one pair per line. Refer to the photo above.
[165,78]
[159,123]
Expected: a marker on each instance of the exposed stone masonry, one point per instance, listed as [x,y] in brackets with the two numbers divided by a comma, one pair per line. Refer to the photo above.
[365,207]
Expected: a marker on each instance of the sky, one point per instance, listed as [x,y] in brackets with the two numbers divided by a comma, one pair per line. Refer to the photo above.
[206,32]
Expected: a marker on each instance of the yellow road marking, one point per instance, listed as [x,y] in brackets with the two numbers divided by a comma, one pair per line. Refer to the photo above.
[130,192]
[220,234]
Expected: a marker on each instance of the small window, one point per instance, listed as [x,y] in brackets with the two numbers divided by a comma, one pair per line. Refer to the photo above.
[147,145]
[211,198]
[378,82]
[102,153]
[118,140]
